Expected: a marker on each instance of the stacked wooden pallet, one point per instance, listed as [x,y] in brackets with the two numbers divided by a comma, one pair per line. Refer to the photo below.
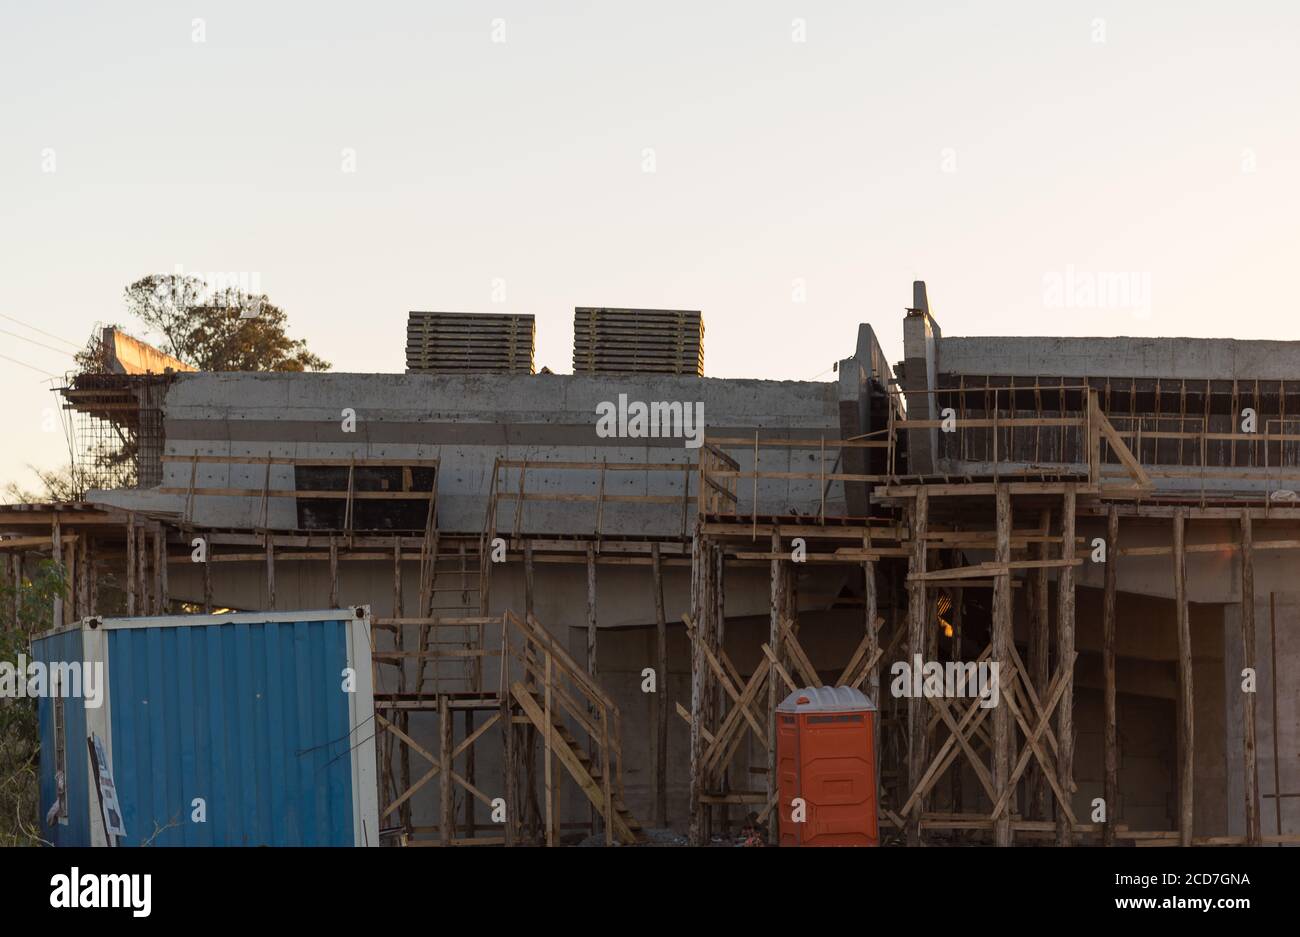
[457,342]
[646,341]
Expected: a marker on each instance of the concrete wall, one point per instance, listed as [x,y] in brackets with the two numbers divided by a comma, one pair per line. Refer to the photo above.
[1213,577]
[1277,713]
[930,354]
[1221,359]
[921,342]
[468,421]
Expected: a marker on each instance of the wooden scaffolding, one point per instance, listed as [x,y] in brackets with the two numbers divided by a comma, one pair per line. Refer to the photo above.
[485,706]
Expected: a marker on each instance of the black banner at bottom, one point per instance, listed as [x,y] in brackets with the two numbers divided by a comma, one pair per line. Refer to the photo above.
[392,887]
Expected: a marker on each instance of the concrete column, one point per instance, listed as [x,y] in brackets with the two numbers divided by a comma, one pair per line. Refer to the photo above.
[921,335]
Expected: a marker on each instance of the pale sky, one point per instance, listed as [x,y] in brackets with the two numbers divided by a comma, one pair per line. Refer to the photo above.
[838,149]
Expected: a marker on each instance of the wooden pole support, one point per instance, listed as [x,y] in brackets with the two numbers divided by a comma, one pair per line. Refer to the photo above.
[1186,747]
[1110,789]
[1065,660]
[1253,828]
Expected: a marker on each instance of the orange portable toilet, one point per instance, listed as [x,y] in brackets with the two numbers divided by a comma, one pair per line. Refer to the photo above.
[826,755]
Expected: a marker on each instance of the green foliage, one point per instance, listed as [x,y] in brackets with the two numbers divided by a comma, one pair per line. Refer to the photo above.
[209,331]
[19,735]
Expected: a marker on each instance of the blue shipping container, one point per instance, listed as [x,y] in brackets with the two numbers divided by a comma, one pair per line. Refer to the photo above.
[253,729]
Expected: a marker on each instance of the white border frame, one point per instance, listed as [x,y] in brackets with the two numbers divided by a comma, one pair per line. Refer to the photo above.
[362,732]
[94,650]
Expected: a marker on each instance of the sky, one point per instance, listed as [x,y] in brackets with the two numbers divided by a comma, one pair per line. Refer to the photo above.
[788,168]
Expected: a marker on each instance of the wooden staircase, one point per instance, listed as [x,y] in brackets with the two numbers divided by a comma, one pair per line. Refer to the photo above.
[584,769]
[552,692]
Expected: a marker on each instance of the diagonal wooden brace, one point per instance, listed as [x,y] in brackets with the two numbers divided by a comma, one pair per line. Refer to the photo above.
[1056,692]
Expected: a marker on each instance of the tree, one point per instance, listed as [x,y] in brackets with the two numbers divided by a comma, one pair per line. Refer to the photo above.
[28,608]
[218,330]
[57,485]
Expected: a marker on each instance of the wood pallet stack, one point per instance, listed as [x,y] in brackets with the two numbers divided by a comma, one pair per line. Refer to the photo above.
[459,342]
[631,341]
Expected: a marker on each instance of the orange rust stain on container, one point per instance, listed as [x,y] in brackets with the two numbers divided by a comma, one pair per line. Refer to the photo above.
[826,755]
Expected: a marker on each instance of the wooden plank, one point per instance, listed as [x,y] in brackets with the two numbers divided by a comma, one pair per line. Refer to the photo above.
[591,611]
[916,623]
[334,573]
[1002,637]
[35,544]
[84,576]
[207,579]
[1110,787]
[1185,712]
[130,565]
[980,570]
[986,489]
[270,576]
[161,558]
[302,495]
[686,717]
[607,772]
[871,623]
[791,686]
[1122,451]
[661,692]
[569,759]
[796,651]
[778,587]
[1039,643]
[729,735]
[528,579]
[15,580]
[700,603]
[447,816]
[1093,440]
[59,616]
[290,460]
[1253,826]
[1065,813]
[1065,657]
[591,637]
[548,754]
[947,753]
[509,768]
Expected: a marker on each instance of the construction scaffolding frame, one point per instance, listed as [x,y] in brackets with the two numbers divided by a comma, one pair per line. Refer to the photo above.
[905,555]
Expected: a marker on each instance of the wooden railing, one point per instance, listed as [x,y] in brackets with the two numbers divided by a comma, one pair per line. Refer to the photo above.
[723,481]
[516,491]
[349,494]
[1081,443]
[442,641]
[552,680]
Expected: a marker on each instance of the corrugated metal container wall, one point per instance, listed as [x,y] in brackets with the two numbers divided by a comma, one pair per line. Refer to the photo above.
[249,717]
[72,829]
[224,730]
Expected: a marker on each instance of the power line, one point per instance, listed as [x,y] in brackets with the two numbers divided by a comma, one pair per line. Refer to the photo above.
[41,331]
[35,342]
[31,366]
